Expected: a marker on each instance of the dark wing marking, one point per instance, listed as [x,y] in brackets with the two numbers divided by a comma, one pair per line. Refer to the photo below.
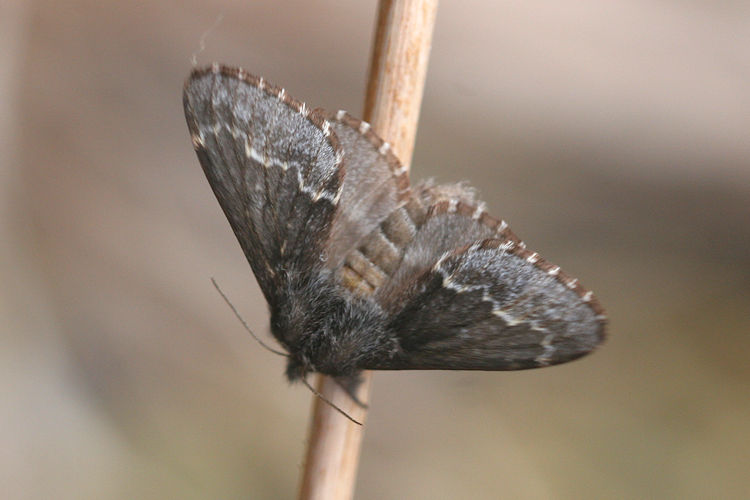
[274,165]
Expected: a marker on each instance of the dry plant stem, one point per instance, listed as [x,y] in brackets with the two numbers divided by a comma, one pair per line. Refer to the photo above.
[394,93]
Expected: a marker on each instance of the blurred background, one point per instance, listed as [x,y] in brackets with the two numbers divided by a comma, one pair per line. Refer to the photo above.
[613,136]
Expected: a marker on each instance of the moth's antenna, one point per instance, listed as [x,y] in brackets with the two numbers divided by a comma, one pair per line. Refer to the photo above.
[326,400]
[202,41]
[304,381]
[234,310]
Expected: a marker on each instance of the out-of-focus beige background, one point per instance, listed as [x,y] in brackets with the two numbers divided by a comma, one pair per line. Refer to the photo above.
[615,138]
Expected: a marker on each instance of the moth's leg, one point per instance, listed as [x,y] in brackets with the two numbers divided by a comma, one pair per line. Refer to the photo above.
[351,383]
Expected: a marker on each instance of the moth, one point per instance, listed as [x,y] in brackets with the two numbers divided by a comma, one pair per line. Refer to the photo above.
[362,270]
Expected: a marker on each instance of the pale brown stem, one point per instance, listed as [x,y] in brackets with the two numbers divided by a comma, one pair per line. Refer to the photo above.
[394,94]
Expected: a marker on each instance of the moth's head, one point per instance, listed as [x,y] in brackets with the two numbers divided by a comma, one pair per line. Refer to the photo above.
[297,368]
[293,331]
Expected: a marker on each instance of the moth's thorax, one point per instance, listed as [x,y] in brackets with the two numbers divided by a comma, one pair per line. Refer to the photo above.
[327,331]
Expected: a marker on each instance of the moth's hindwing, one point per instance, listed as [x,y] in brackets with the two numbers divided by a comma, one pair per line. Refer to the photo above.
[379,215]
[375,185]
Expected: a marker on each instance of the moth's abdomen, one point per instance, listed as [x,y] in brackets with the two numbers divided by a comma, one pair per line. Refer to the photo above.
[378,255]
